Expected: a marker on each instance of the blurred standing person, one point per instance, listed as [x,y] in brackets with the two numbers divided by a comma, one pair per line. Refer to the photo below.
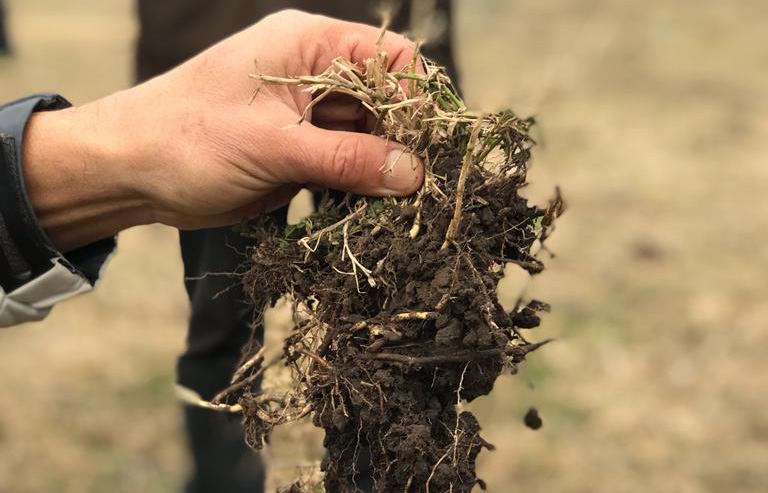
[172,31]
[4,46]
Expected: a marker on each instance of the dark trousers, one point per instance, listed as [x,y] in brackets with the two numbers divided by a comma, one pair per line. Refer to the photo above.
[171,32]
[4,46]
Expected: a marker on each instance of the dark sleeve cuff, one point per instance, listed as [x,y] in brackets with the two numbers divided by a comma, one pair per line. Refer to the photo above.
[25,251]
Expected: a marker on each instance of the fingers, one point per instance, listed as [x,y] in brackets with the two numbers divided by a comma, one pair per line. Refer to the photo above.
[358,42]
[356,162]
[361,43]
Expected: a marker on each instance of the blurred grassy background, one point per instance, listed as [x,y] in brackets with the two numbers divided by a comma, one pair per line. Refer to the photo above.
[653,119]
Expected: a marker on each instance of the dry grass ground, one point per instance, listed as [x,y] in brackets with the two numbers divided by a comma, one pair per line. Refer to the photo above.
[654,119]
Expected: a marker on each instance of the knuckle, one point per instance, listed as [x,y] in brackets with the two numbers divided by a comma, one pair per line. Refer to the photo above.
[351,43]
[347,163]
[286,14]
[293,19]
[402,53]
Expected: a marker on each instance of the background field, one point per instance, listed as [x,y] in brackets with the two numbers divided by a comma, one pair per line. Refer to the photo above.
[654,120]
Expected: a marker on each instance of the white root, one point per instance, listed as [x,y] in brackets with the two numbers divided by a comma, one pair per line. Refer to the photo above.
[192,398]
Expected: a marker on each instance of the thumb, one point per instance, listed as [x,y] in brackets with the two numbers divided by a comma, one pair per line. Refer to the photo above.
[357,162]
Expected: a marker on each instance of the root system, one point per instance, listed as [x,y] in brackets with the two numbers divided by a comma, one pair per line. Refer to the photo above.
[397,316]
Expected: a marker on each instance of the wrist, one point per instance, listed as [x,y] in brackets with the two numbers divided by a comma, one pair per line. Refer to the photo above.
[79,182]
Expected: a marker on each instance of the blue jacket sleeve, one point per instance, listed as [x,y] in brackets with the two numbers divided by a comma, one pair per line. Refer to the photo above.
[33,274]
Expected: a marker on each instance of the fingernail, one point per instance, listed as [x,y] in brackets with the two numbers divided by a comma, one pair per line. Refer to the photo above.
[402,173]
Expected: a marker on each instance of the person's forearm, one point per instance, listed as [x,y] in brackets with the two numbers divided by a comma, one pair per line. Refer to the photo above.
[78,185]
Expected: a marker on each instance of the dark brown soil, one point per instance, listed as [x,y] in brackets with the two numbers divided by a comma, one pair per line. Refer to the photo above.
[384,358]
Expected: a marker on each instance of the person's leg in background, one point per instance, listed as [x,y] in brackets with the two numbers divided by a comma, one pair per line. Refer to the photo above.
[5,47]
[219,327]
[170,32]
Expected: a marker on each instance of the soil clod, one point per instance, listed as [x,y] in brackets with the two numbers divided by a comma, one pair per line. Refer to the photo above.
[532,419]
[397,316]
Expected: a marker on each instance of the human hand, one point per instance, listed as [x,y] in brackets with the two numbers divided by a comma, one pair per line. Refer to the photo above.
[186,149]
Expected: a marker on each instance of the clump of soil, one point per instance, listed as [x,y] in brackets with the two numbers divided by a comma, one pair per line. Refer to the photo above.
[398,320]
